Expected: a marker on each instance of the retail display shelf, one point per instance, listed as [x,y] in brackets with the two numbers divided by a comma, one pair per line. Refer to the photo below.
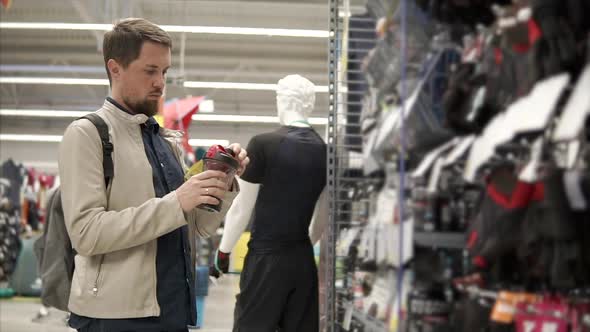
[447,240]
[370,324]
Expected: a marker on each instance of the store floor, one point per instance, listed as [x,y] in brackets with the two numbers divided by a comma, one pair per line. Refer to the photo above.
[16,314]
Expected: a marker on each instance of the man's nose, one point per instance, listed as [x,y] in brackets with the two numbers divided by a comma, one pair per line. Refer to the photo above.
[160,82]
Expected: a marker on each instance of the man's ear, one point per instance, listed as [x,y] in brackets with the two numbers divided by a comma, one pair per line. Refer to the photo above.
[114,68]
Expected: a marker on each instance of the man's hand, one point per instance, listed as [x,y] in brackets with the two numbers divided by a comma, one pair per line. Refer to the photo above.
[220,265]
[204,188]
[242,156]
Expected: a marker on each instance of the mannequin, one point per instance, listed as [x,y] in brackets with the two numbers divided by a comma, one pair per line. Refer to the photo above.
[285,186]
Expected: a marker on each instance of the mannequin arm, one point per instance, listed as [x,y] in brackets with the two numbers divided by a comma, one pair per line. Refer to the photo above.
[238,215]
[320,217]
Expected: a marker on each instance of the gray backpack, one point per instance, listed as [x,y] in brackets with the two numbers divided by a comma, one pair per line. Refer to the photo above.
[55,255]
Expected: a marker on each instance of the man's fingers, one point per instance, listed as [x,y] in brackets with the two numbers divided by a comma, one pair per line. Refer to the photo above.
[210,174]
[210,200]
[237,148]
[212,183]
[245,162]
[243,154]
[243,166]
[215,192]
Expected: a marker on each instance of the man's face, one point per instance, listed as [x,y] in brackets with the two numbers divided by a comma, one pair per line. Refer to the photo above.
[142,83]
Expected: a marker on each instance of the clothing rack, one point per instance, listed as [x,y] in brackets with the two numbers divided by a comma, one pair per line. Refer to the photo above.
[428,181]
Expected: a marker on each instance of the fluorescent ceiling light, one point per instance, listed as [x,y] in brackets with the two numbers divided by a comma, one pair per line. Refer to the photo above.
[207,106]
[235,118]
[57,139]
[230,85]
[208,142]
[249,119]
[197,117]
[172,28]
[54,80]
[241,86]
[30,138]
[98,81]
[42,113]
[247,31]
[41,164]
[54,26]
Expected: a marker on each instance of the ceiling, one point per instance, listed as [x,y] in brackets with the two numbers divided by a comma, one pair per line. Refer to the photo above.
[207,57]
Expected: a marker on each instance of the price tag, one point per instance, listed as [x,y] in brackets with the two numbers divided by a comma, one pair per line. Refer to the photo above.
[505,308]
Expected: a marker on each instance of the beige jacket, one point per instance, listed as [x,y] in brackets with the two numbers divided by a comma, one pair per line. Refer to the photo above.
[115,230]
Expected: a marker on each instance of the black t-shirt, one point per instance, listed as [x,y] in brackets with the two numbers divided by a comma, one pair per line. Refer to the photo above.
[290,166]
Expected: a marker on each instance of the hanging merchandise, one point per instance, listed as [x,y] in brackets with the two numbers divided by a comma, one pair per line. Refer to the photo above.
[10,244]
[15,175]
[468,208]
[22,208]
[385,223]
[178,115]
[570,127]
[429,57]
[34,198]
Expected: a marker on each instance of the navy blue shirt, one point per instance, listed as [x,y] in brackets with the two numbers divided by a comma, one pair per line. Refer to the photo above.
[175,280]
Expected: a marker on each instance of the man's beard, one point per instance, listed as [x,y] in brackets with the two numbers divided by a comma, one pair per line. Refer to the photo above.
[147,107]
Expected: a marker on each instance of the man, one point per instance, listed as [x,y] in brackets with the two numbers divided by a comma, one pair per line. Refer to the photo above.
[134,268]
[283,185]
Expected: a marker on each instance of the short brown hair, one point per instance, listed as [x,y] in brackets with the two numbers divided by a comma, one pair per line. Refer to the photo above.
[124,42]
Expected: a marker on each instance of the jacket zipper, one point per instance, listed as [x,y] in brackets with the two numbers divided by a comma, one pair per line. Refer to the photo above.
[95,288]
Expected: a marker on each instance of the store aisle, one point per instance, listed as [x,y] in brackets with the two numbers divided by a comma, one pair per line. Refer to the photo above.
[16,314]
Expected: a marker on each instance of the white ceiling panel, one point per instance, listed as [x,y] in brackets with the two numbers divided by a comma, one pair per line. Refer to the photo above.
[207,57]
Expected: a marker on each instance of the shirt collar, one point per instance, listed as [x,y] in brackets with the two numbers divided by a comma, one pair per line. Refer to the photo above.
[151,124]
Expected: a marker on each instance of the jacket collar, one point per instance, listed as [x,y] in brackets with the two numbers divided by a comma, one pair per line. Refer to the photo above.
[138,119]
[123,115]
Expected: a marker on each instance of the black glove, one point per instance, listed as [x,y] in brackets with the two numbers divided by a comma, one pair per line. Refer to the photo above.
[458,101]
[220,264]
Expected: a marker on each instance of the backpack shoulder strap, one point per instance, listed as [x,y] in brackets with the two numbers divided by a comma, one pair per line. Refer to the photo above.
[107,146]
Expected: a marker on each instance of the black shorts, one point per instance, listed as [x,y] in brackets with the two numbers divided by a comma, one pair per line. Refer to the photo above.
[278,292]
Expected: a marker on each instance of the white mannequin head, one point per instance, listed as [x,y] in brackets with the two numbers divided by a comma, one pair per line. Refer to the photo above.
[295,100]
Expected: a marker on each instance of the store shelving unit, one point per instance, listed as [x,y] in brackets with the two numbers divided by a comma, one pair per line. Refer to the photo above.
[443,240]
[351,38]
[348,45]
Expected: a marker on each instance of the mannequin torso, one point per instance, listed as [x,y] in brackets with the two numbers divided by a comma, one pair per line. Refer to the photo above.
[284,182]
